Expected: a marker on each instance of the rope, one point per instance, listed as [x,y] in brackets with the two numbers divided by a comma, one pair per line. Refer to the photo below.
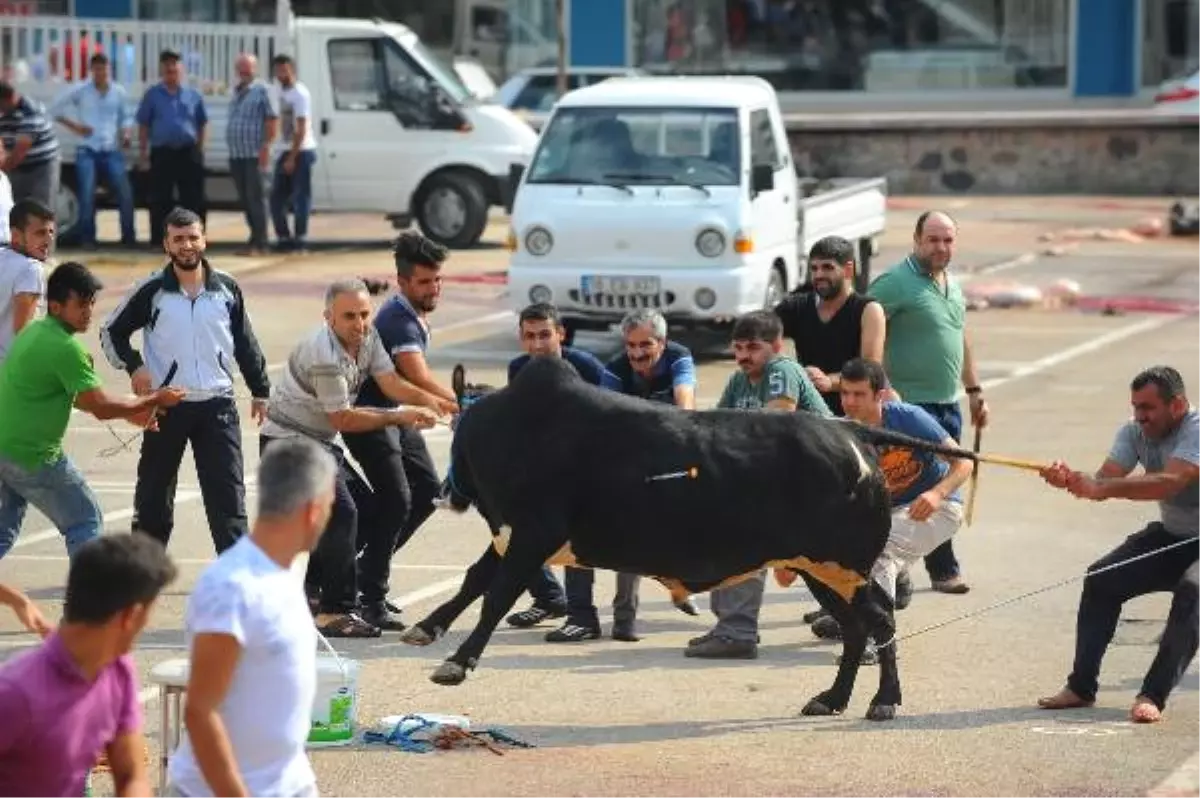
[125,444]
[1031,593]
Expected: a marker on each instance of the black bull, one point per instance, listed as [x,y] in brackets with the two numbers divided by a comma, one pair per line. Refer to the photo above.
[573,473]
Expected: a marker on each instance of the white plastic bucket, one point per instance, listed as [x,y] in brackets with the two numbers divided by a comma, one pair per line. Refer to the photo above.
[335,703]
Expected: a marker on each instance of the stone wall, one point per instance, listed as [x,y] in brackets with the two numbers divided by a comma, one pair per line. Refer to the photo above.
[1117,156]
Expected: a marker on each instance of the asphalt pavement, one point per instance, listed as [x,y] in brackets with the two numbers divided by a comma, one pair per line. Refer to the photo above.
[612,718]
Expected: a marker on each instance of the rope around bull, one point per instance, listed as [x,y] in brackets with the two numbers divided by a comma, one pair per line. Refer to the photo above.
[1031,593]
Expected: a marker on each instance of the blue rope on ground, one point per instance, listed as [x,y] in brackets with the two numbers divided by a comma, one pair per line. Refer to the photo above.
[403,738]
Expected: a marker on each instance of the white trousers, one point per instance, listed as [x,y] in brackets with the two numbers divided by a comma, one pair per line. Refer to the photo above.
[911,540]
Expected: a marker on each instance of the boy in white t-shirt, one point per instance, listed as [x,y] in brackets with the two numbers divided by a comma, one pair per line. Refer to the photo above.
[293,169]
[252,642]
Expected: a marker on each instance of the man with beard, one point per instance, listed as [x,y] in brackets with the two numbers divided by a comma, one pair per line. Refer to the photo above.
[395,460]
[829,326]
[292,183]
[21,279]
[927,354]
[194,326]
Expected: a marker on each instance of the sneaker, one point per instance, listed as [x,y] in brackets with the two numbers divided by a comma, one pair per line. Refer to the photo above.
[572,633]
[870,656]
[625,633]
[812,615]
[721,647]
[954,585]
[381,616]
[827,628]
[533,616]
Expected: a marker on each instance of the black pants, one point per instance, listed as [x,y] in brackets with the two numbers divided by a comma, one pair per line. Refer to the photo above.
[175,170]
[1173,571]
[941,564]
[404,483]
[213,430]
[332,567]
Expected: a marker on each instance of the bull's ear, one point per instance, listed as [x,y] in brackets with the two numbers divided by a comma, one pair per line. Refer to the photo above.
[458,380]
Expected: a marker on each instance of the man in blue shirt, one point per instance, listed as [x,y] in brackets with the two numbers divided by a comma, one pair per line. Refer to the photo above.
[95,111]
[927,506]
[171,123]
[542,334]
[396,460]
[659,370]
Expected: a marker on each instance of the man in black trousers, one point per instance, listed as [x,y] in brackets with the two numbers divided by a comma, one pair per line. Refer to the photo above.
[194,326]
[171,123]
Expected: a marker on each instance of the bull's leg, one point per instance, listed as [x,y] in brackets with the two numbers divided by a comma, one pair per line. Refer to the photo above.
[874,608]
[530,549]
[854,642]
[475,583]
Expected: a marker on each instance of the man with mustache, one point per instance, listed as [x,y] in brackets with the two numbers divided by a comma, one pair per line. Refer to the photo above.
[395,460]
[195,327]
[22,282]
[765,380]
[658,370]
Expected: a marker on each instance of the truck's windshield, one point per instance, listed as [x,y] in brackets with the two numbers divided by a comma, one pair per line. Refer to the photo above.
[630,146]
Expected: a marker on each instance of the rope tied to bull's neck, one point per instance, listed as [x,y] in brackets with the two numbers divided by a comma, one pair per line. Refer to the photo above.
[1044,589]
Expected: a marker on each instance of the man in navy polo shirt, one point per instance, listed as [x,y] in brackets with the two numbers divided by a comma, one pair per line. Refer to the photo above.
[396,460]
[542,334]
[651,368]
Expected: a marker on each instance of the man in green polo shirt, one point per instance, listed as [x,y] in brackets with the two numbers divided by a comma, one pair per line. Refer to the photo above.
[927,354]
[46,374]
[765,380]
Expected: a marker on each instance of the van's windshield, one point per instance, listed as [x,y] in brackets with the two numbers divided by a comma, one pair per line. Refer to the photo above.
[630,146]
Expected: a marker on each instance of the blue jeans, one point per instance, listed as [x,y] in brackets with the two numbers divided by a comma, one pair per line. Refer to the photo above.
[58,491]
[941,564]
[112,162]
[296,189]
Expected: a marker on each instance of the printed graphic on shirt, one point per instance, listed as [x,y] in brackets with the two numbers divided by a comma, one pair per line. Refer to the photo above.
[901,469]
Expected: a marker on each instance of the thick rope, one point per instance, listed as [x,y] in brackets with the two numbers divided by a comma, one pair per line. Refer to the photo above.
[1023,596]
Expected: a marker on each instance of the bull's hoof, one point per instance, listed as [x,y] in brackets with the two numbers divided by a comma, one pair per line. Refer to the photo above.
[449,674]
[416,636]
[818,708]
[881,712]
[687,607]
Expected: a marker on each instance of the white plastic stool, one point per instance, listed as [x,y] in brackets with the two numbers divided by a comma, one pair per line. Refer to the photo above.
[172,679]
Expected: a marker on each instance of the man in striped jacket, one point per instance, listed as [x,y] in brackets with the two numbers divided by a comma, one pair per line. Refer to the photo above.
[32,163]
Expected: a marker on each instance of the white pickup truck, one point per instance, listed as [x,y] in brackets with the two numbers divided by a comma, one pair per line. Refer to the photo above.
[397,131]
[675,193]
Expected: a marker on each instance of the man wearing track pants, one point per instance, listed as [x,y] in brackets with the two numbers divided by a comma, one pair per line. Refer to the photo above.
[195,326]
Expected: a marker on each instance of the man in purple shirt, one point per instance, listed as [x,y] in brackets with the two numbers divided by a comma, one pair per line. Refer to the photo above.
[75,696]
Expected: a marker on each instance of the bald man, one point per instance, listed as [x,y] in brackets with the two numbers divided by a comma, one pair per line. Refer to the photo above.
[253,123]
[927,353]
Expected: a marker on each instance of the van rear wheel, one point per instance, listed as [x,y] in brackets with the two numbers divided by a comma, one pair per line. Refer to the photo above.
[452,210]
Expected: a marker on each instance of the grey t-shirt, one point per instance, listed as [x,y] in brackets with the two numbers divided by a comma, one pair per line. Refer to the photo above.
[1179,513]
[18,275]
[320,377]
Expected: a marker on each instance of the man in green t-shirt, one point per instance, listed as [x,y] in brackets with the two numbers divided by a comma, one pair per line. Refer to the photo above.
[927,354]
[765,380]
[48,372]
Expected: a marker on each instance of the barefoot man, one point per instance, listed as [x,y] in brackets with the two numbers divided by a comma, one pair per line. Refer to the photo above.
[1164,436]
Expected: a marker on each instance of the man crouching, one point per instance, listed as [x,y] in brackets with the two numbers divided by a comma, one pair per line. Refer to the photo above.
[926,505]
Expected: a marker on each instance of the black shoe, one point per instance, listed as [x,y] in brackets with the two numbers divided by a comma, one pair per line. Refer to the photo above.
[720,647]
[379,615]
[624,632]
[533,616]
[813,615]
[827,628]
[572,633]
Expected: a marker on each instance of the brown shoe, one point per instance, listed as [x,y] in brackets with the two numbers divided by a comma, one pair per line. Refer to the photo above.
[1066,698]
[954,585]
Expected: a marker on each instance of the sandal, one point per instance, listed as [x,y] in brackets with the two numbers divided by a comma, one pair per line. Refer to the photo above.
[348,625]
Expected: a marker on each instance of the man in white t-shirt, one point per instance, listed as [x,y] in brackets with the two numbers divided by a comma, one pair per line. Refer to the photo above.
[252,665]
[22,277]
[292,182]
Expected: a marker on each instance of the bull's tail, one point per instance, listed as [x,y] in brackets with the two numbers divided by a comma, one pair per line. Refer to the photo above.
[878,435]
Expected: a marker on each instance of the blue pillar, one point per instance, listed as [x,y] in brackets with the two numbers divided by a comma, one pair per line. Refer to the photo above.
[596,31]
[1105,48]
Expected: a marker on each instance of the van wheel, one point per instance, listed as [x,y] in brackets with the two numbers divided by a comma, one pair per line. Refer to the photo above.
[452,210]
[776,290]
[66,208]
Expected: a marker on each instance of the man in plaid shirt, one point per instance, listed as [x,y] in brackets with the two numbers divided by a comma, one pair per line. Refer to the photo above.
[253,123]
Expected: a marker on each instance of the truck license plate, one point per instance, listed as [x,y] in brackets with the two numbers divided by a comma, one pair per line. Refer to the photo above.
[619,286]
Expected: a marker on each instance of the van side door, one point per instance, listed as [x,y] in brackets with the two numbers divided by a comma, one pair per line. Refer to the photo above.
[774,209]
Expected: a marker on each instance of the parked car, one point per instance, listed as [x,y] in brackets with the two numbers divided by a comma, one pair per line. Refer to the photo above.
[535,89]
[1179,96]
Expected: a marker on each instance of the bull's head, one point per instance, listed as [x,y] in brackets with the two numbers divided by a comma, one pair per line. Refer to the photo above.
[458,490]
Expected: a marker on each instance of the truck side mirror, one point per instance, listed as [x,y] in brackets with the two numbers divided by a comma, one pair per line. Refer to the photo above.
[762,178]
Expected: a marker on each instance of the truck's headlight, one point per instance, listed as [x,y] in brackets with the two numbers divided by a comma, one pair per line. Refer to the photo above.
[540,294]
[710,243]
[539,241]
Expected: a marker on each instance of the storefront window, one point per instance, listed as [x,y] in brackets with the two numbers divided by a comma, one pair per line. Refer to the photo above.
[1169,36]
[860,45]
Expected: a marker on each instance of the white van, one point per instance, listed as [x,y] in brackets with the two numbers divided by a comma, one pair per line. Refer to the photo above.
[397,131]
[675,193]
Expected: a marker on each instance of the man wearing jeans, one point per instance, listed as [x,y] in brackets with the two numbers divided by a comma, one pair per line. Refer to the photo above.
[96,112]
[32,161]
[46,374]
[253,122]
[1164,437]
[927,354]
[293,170]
